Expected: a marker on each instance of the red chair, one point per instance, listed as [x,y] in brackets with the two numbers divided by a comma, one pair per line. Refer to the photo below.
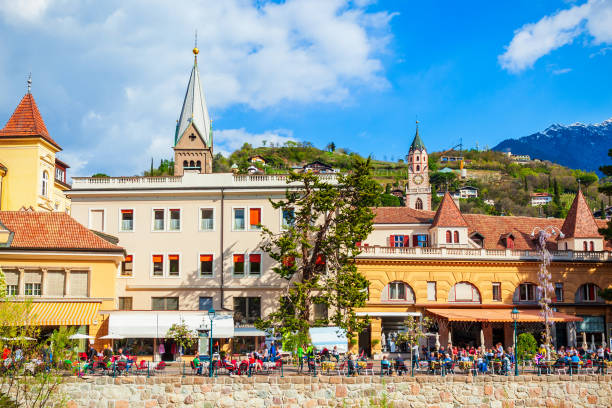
[243,368]
[160,366]
[144,366]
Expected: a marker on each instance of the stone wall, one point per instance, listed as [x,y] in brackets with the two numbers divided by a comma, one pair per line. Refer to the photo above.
[364,391]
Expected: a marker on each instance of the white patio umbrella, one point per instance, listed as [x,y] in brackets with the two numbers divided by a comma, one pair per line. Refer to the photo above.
[19,338]
[482,340]
[593,346]
[79,336]
[450,337]
[112,336]
[584,341]
[437,341]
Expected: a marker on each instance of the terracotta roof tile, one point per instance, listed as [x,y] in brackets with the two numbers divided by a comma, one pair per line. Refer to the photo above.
[51,230]
[27,121]
[579,222]
[401,215]
[448,214]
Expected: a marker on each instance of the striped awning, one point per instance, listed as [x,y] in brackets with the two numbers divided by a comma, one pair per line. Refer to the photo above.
[63,313]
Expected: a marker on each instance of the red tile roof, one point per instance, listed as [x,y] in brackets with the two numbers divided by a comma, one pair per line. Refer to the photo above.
[579,222]
[51,230]
[401,215]
[448,214]
[27,121]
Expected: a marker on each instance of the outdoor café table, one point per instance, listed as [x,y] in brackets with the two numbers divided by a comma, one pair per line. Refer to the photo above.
[435,365]
[361,365]
[466,365]
[545,366]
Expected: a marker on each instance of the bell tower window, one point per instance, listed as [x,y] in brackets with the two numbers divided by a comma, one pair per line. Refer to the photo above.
[418,204]
[192,137]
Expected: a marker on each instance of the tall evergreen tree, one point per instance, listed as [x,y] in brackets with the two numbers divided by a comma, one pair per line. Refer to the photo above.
[316,252]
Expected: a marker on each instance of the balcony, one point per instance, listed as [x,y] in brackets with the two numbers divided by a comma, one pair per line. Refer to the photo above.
[380,252]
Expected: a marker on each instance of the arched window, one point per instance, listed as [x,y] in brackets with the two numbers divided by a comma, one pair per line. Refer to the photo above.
[191,163]
[589,292]
[185,163]
[584,246]
[464,292]
[456,237]
[526,292]
[449,239]
[397,291]
[45,183]
[418,204]
[199,164]
[417,158]
[418,168]
[591,246]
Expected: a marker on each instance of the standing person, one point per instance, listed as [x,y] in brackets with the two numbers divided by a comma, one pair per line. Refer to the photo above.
[415,355]
[310,356]
[300,357]
[91,353]
[335,354]
[273,351]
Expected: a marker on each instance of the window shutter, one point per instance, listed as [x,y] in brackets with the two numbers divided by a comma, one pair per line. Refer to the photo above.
[391,240]
[255,216]
[406,241]
[32,277]
[238,258]
[127,211]
[129,258]
[78,283]
[54,283]
[415,240]
[206,258]
[255,258]
[11,277]
[158,258]
[173,257]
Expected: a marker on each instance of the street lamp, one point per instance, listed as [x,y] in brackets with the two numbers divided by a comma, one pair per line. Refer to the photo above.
[515,316]
[211,316]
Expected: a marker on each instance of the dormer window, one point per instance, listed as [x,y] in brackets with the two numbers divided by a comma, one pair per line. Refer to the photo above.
[508,240]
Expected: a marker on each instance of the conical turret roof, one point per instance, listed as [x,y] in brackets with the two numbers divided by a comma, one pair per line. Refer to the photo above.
[417,143]
[194,109]
[448,214]
[580,222]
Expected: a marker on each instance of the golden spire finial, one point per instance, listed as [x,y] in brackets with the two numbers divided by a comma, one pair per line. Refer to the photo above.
[195,47]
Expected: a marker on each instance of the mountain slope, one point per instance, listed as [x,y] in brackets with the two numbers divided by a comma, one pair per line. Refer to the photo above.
[577,146]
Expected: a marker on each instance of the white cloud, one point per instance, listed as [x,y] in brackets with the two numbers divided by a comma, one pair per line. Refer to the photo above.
[128,63]
[561,71]
[534,40]
[228,140]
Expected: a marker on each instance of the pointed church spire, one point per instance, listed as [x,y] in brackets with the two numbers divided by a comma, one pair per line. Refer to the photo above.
[417,143]
[194,109]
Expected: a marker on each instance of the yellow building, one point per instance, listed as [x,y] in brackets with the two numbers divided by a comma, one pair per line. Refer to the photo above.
[31,176]
[65,269]
[468,271]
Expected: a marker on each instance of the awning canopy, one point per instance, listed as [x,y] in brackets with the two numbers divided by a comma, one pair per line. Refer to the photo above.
[328,337]
[155,324]
[248,332]
[389,314]
[63,313]
[499,315]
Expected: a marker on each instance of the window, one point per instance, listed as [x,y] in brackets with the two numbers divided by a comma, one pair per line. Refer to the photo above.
[464,292]
[173,265]
[158,265]
[45,183]
[255,218]
[585,246]
[207,220]
[419,203]
[591,246]
[431,291]
[239,265]
[591,324]
[510,242]
[255,264]
[456,237]
[205,303]
[589,292]
[449,238]
[397,291]
[418,168]
[198,165]
[79,282]
[32,289]
[320,310]
[527,292]
[33,281]
[54,283]
[559,291]
[60,174]
[96,220]
[175,220]
[239,222]
[247,309]
[125,303]
[399,241]
[159,216]
[496,288]
[206,266]
[420,240]
[164,303]
[288,218]
[127,266]
[12,282]
[127,220]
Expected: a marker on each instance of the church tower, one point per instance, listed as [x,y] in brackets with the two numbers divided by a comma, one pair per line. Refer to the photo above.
[418,190]
[193,138]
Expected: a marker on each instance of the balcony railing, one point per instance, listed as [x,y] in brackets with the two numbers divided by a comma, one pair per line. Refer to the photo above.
[478,253]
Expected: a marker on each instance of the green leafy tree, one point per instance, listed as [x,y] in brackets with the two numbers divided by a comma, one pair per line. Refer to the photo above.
[585,179]
[389,200]
[100,175]
[606,188]
[316,252]
[526,345]
[182,335]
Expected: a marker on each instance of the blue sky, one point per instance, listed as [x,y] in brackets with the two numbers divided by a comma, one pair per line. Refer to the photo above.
[109,77]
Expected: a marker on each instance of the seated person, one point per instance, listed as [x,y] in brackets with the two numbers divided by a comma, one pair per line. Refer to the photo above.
[351,364]
[400,366]
[254,363]
[385,365]
[335,354]
[197,364]
[448,362]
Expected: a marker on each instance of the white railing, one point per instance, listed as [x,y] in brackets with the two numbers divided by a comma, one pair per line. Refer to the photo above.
[76,181]
[267,178]
[475,253]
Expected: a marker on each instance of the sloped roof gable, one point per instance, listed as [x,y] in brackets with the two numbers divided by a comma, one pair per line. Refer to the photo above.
[27,121]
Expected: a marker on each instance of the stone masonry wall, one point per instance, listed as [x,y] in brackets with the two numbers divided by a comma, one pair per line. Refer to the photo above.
[324,391]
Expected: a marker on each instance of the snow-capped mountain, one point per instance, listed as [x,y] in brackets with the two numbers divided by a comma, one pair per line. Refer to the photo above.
[577,146]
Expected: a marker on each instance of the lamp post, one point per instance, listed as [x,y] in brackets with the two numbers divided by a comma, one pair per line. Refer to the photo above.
[515,316]
[211,316]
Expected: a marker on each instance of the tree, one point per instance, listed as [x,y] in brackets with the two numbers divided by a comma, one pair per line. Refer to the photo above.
[316,252]
[526,346]
[586,179]
[331,147]
[607,190]
[100,175]
[415,330]
[182,335]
